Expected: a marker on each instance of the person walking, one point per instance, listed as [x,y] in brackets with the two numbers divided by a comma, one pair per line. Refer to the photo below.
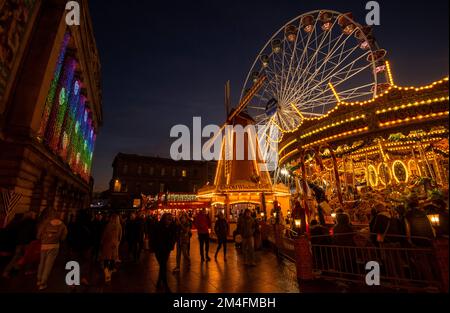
[183,238]
[203,223]
[135,236]
[51,234]
[221,229]
[110,245]
[25,234]
[164,242]
[247,231]
[80,242]
[97,227]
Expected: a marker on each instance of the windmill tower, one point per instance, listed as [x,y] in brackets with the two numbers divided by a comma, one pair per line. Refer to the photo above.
[241,180]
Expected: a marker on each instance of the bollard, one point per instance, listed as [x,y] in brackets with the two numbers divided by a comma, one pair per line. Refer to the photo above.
[303,259]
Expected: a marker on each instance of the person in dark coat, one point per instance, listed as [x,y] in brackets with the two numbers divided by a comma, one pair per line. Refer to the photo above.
[221,230]
[97,227]
[420,232]
[164,242]
[80,242]
[319,234]
[25,233]
[343,230]
[135,236]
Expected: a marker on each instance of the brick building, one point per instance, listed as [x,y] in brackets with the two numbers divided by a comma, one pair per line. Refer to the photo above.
[135,174]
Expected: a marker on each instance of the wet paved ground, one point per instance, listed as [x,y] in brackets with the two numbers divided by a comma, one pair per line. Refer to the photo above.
[270,275]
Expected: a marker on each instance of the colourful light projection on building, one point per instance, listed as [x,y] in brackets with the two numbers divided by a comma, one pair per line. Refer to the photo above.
[66,125]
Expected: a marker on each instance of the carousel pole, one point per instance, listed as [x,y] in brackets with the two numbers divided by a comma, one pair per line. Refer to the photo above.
[336,176]
[383,158]
[416,161]
[353,173]
[425,160]
[438,170]
[367,170]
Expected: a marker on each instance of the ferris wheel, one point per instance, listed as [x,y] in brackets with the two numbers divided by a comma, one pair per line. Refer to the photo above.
[314,61]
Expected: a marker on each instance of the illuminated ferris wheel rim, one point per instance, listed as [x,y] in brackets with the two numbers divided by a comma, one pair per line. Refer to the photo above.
[296,113]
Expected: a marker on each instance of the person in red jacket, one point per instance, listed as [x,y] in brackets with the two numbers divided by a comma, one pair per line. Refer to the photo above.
[203,223]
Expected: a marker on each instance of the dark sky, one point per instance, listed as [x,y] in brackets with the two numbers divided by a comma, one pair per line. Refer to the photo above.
[164,62]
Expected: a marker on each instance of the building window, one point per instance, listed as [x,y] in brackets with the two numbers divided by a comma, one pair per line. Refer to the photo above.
[124,188]
[117,185]
[125,169]
[139,170]
[184,173]
[163,171]
[152,171]
[138,187]
[161,187]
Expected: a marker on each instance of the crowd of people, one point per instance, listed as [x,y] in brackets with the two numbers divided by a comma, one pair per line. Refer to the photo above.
[104,241]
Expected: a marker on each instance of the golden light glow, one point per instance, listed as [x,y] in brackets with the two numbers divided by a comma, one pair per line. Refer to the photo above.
[434,219]
[352,119]
[287,145]
[389,72]
[350,132]
[380,177]
[371,169]
[287,155]
[334,92]
[417,103]
[298,111]
[367,102]
[414,118]
[404,167]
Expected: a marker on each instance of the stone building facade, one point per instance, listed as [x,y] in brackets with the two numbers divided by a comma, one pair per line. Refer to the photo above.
[50,107]
[135,174]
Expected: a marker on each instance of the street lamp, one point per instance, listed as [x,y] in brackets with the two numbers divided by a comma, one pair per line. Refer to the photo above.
[434,219]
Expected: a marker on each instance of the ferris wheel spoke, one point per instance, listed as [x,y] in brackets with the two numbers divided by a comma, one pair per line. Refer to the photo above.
[327,56]
[302,69]
[326,79]
[340,92]
[303,57]
[306,84]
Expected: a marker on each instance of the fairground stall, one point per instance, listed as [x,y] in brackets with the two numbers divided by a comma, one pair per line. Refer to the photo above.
[174,203]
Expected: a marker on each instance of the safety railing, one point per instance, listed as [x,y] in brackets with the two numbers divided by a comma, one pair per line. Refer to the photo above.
[401,263]
[345,256]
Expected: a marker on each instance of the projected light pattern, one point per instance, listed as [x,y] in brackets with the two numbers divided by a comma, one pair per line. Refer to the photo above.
[66,126]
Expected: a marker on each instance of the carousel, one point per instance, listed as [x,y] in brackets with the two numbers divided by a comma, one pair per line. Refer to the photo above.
[383,150]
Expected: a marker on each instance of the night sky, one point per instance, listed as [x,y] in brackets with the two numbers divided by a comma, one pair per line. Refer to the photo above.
[164,62]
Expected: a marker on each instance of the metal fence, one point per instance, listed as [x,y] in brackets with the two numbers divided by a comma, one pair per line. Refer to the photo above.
[404,268]
[410,268]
